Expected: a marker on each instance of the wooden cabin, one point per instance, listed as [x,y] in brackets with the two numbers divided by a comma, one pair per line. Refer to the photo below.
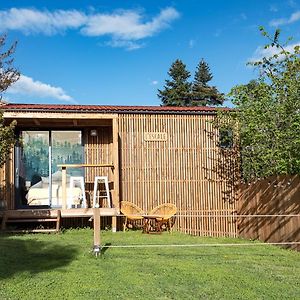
[151,155]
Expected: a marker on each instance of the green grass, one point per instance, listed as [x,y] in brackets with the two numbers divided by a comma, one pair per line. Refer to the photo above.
[62,267]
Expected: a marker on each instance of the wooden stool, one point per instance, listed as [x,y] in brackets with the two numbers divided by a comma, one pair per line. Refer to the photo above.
[73,181]
[101,179]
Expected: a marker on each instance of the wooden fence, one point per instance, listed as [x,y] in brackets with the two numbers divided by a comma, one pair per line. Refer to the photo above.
[278,196]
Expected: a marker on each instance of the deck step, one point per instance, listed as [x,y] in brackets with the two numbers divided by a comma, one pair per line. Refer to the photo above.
[30,220]
[31,231]
[33,219]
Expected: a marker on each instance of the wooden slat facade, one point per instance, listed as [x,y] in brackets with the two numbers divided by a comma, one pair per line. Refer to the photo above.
[183,167]
[98,149]
[7,184]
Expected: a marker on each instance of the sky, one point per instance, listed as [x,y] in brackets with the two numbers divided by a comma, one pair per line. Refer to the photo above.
[119,52]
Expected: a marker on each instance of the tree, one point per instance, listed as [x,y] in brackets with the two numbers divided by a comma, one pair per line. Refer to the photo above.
[202,93]
[266,121]
[177,90]
[180,92]
[8,75]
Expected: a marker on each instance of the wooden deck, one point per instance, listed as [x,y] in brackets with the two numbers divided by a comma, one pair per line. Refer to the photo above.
[54,215]
[65,213]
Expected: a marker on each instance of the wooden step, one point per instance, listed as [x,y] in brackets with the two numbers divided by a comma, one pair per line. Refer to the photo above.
[30,220]
[31,231]
[6,219]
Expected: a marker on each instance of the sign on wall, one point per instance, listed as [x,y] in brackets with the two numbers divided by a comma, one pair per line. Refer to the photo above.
[155,136]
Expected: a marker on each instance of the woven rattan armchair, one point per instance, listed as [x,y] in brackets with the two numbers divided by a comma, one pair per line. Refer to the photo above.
[131,212]
[166,211]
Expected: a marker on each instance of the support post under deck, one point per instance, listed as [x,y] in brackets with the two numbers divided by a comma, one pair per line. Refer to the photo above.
[97,238]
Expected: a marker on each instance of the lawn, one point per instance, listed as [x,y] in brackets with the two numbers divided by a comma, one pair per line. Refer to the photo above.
[62,267]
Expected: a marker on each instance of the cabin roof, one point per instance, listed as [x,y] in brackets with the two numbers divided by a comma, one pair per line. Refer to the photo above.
[110,109]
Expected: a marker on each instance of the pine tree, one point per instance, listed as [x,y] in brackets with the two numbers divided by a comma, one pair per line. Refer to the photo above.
[202,93]
[177,91]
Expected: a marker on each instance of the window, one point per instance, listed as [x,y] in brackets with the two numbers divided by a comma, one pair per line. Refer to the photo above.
[225,138]
[37,176]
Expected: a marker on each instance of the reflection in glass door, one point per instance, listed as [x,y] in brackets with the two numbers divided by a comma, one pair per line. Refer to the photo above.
[32,171]
[66,148]
[38,178]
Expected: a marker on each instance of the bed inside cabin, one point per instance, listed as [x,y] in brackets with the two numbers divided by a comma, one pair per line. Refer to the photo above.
[38,193]
[38,177]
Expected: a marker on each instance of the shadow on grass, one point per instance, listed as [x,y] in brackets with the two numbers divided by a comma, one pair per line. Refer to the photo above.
[32,256]
[105,248]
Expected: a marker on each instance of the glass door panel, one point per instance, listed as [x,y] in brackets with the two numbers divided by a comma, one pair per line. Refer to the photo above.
[66,148]
[32,168]
[37,176]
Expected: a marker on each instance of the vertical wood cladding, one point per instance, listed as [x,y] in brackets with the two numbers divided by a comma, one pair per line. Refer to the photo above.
[164,158]
[98,150]
[7,184]
[175,158]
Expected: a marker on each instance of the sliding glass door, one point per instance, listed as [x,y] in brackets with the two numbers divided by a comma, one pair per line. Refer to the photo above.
[37,176]
[32,164]
[66,148]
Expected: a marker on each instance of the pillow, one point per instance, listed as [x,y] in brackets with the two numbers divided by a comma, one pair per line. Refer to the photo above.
[56,176]
[38,185]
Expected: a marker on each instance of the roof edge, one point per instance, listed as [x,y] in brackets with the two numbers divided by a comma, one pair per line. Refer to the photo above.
[15,107]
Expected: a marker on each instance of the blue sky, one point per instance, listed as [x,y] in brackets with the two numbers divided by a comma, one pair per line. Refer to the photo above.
[119,52]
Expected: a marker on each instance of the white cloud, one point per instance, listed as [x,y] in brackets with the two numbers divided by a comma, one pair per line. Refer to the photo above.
[218,32]
[295,17]
[4,99]
[273,8]
[128,25]
[243,16]
[284,21]
[128,45]
[192,43]
[154,82]
[292,3]
[28,87]
[125,25]
[260,52]
[32,21]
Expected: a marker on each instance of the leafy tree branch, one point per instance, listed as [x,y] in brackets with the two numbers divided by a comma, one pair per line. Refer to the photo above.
[266,121]
[8,75]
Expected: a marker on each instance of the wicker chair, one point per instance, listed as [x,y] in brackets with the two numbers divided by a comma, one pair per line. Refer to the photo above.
[131,212]
[167,211]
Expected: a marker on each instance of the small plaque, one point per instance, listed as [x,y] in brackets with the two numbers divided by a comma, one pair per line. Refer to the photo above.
[155,136]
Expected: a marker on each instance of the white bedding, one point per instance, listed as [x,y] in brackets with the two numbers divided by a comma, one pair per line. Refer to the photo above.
[38,194]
